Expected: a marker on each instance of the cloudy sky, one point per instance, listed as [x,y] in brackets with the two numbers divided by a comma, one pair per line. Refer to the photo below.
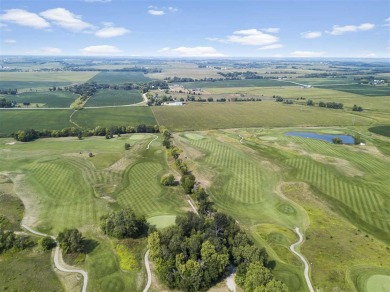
[201,28]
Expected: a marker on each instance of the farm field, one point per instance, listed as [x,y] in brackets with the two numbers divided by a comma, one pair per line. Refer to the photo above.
[47,76]
[368,90]
[107,117]
[237,83]
[196,116]
[108,97]
[323,81]
[50,99]
[12,120]
[119,77]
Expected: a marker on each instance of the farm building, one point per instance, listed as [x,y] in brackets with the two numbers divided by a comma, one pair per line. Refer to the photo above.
[175,103]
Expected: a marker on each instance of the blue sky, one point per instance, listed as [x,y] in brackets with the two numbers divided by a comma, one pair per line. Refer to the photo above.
[200,28]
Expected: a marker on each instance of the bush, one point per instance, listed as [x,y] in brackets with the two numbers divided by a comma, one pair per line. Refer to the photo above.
[168,180]
[47,243]
[337,140]
[127,146]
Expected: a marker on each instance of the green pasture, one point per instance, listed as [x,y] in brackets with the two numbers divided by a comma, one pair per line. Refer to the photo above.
[236,83]
[119,77]
[50,99]
[199,116]
[107,117]
[108,97]
[12,120]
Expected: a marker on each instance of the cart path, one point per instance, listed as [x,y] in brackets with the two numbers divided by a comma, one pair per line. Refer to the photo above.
[156,137]
[57,258]
[148,272]
[306,271]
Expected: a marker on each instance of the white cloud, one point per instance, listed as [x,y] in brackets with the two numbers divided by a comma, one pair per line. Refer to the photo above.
[311,34]
[110,31]
[100,50]
[156,12]
[271,30]
[339,30]
[193,52]
[10,41]
[66,19]
[252,37]
[306,54]
[24,18]
[387,20]
[271,47]
[172,9]
[166,49]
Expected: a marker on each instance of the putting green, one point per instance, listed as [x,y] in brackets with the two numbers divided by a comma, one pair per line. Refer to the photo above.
[194,136]
[378,283]
[162,221]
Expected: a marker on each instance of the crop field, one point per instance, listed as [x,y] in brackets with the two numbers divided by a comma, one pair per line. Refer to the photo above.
[68,77]
[250,114]
[49,98]
[119,77]
[110,97]
[31,85]
[323,81]
[368,90]
[107,117]
[185,70]
[12,120]
[237,83]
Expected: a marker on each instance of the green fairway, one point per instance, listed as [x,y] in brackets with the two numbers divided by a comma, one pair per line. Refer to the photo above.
[108,97]
[237,83]
[119,77]
[48,99]
[107,117]
[195,116]
[13,120]
[378,283]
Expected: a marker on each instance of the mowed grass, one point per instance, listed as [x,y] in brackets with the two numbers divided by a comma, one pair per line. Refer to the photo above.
[120,77]
[107,117]
[110,97]
[237,83]
[250,114]
[50,99]
[13,120]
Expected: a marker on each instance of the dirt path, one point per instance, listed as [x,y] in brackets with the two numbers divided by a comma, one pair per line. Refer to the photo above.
[156,137]
[57,258]
[148,272]
[306,271]
[241,139]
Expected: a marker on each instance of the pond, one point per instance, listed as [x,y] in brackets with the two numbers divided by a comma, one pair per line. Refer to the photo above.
[325,137]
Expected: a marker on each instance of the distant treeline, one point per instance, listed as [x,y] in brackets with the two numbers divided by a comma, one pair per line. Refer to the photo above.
[31,134]
[4,103]
[9,91]
[127,69]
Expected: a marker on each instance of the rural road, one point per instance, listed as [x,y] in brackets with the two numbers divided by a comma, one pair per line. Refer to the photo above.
[306,272]
[148,272]
[57,258]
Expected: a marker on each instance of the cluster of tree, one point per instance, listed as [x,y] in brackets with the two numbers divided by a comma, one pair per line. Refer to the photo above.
[31,134]
[9,240]
[9,91]
[240,75]
[334,105]
[238,99]
[160,84]
[4,103]
[47,243]
[198,251]
[156,100]
[168,180]
[71,241]
[278,98]
[123,224]
[356,108]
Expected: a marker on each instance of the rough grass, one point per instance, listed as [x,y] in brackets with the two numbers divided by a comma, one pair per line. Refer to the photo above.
[49,98]
[110,97]
[250,114]
[120,77]
[107,117]
[14,120]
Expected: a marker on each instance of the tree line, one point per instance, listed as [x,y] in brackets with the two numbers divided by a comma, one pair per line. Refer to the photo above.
[4,103]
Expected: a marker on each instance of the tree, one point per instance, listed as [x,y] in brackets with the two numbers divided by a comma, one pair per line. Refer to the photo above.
[256,276]
[310,102]
[123,224]
[168,180]
[71,241]
[47,243]
[127,146]
[337,140]
[188,183]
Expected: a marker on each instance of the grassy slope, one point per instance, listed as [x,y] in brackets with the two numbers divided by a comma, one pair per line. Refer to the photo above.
[68,190]
[114,97]
[249,114]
